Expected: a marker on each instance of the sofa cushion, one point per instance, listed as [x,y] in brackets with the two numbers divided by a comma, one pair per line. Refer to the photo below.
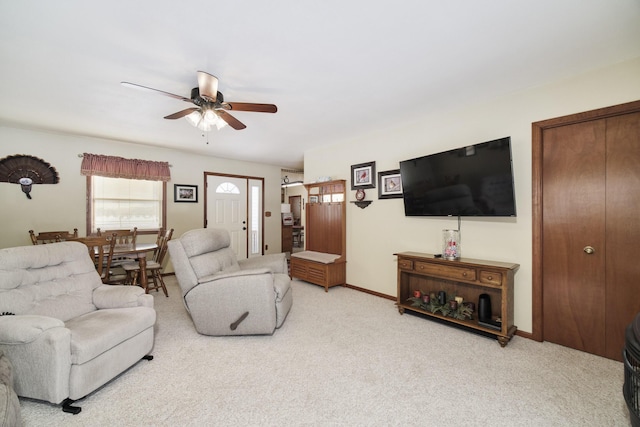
[97,332]
[320,257]
[55,280]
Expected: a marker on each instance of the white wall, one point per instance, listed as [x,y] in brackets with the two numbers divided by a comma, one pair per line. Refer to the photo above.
[62,206]
[375,233]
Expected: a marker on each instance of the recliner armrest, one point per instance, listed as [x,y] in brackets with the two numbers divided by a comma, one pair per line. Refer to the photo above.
[235,273]
[276,263]
[120,296]
[22,329]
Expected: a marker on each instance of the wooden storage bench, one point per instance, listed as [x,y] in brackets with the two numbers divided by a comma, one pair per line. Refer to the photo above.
[319,268]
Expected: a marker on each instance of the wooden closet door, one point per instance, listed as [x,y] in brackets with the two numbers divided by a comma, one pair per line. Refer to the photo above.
[622,229]
[574,201]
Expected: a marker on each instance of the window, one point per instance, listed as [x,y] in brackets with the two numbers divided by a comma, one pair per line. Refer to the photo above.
[255,216]
[118,203]
[227,188]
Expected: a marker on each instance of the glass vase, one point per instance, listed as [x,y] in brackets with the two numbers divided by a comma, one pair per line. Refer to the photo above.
[451,244]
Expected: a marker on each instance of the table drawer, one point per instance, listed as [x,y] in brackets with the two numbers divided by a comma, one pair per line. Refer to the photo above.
[490,277]
[405,264]
[446,271]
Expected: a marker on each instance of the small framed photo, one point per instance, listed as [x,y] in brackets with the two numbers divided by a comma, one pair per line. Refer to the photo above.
[389,184]
[363,175]
[313,199]
[185,193]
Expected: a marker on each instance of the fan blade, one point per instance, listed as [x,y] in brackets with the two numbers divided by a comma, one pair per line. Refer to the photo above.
[181,114]
[231,121]
[208,86]
[137,86]
[245,106]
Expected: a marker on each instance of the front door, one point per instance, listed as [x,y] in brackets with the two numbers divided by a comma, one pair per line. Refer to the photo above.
[227,209]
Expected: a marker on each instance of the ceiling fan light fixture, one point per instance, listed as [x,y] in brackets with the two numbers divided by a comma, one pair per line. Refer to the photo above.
[205,119]
[197,120]
[211,117]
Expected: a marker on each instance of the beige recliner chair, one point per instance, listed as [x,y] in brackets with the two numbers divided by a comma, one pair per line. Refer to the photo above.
[226,296]
[65,332]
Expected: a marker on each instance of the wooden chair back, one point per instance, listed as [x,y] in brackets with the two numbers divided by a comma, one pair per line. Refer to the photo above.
[123,236]
[101,252]
[163,240]
[155,267]
[45,237]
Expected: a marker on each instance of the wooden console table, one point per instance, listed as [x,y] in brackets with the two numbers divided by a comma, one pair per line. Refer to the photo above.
[466,278]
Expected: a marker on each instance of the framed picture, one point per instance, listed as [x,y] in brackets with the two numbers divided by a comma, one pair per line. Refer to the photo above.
[313,199]
[363,175]
[185,193]
[389,184]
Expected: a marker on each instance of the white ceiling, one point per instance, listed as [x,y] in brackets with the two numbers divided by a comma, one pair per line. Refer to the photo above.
[334,68]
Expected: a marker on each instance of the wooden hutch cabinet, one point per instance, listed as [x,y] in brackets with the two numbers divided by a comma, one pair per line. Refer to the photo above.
[420,274]
[323,261]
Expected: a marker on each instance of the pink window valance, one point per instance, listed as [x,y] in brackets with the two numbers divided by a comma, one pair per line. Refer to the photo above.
[119,167]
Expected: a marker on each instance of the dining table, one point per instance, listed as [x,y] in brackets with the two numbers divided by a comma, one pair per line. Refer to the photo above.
[139,250]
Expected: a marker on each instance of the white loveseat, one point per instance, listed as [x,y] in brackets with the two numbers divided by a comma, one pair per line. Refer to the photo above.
[65,332]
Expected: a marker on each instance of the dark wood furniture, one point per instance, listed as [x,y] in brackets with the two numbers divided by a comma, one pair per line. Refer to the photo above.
[139,250]
[45,237]
[154,267]
[123,237]
[466,278]
[325,235]
[101,252]
[298,236]
[287,238]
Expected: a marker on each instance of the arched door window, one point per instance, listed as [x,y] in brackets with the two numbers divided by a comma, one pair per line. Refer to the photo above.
[227,188]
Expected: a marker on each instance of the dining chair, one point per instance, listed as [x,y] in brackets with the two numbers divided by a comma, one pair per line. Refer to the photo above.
[45,237]
[154,266]
[101,252]
[123,237]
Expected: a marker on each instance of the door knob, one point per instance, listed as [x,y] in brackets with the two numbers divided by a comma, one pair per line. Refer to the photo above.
[588,250]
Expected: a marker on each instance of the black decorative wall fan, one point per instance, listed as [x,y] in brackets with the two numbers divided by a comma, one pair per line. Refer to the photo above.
[211,108]
[27,170]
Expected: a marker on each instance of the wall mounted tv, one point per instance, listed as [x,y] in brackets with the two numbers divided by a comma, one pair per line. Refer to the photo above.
[476,180]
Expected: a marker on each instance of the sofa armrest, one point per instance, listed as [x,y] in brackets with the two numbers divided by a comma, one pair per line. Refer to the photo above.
[39,348]
[276,263]
[26,328]
[121,296]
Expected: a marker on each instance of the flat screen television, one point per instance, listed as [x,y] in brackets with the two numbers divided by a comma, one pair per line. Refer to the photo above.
[476,180]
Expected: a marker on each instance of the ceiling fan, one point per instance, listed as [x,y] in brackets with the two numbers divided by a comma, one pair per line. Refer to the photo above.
[211,108]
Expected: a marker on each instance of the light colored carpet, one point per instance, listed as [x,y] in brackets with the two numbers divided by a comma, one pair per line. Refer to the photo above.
[348,358]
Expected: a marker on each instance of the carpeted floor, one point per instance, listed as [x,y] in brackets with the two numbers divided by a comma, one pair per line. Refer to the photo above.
[348,358]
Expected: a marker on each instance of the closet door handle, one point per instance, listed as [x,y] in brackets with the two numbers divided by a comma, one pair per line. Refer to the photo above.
[588,250]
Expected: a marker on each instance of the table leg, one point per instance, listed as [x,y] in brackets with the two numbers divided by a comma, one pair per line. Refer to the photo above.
[142,260]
